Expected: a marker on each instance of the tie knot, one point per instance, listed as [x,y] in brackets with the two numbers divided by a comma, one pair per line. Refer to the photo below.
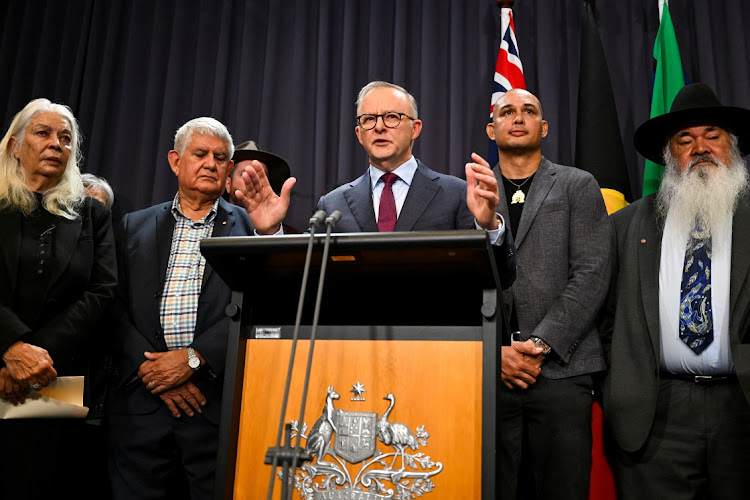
[389,178]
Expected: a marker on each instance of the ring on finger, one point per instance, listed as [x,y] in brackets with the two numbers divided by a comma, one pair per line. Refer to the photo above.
[36,387]
[153,384]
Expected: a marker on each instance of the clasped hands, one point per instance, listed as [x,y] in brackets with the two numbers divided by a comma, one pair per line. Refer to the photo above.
[521,364]
[26,366]
[167,375]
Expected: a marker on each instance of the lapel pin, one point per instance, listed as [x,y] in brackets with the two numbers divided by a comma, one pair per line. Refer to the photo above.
[225,223]
[643,240]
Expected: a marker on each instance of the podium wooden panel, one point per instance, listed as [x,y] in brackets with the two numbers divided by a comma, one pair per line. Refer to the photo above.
[434,347]
[428,393]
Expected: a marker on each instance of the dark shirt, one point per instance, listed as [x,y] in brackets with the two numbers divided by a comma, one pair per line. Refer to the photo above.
[515,210]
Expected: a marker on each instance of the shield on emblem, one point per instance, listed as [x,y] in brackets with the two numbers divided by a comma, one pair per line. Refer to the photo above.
[355,435]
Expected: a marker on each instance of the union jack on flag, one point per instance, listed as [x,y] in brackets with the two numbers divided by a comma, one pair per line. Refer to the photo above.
[508,69]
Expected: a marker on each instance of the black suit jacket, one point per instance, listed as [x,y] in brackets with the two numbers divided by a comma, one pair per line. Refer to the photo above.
[435,202]
[80,287]
[630,323]
[144,242]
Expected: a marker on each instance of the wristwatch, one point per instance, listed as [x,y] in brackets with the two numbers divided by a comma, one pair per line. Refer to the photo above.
[194,361]
[546,349]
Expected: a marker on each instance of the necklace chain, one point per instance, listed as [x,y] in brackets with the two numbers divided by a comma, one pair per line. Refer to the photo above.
[519,185]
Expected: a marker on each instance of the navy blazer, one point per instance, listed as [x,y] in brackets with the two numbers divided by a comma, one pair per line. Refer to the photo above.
[144,241]
[80,286]
[435,202]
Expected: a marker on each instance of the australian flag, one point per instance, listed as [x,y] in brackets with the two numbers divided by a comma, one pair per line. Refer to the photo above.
[508,69]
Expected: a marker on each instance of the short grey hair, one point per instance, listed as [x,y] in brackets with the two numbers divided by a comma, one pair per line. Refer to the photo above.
[96,182]
[379,84]
[204,125]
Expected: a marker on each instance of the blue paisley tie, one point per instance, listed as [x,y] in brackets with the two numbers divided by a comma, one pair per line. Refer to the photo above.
[696,318]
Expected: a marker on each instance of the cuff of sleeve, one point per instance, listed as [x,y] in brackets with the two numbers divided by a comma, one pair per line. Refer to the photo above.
[496,235]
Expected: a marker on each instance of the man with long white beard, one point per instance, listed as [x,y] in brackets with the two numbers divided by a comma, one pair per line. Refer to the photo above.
[675,326]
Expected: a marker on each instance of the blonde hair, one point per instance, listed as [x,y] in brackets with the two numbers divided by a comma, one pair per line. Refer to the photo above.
[65,197]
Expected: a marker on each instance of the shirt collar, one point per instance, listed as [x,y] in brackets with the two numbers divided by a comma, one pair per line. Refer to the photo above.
[405,172]
[207,219]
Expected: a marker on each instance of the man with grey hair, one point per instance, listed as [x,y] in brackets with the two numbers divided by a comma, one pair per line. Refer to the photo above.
[170,338]
[677,394]
[397,192]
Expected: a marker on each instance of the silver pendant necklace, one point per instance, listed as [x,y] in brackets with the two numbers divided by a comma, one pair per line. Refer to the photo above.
[518,196]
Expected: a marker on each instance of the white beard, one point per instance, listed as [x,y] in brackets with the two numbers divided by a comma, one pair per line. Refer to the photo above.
[705,194]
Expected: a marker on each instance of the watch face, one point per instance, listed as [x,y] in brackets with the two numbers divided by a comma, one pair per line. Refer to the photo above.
[194,362]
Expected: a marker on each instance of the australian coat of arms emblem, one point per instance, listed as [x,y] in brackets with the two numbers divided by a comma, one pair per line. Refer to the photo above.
[360,456]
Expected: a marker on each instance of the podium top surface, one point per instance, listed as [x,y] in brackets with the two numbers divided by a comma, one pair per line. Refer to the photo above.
[416,270]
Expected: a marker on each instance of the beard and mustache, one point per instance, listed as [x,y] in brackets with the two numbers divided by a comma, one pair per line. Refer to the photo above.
[706,192]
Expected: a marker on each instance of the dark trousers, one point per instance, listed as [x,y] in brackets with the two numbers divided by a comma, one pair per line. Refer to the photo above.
[699,446]
[158,456]
[545,439]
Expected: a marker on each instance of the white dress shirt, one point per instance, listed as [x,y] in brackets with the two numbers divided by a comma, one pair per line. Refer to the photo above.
[676,357]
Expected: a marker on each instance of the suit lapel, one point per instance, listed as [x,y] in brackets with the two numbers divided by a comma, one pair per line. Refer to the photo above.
[740,264]
[421,192]
[544,179]
[163,229]
[359,199]
[223,224]
[66,237]
[649,254]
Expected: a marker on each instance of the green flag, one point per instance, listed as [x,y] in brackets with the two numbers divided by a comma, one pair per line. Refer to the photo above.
[669,79]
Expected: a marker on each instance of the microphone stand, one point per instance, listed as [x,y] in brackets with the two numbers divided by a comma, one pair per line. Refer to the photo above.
[285,453]
[331,222]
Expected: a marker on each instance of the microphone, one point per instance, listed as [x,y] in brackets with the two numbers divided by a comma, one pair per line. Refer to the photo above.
[278,453]
[333,219]
[317,220]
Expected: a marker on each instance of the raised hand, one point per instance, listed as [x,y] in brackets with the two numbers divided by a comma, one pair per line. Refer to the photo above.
[482,195]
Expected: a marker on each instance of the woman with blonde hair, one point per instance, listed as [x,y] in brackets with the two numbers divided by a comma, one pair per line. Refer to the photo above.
[57,280]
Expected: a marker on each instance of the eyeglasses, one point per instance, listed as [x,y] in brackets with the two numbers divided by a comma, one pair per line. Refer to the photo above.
[391,119]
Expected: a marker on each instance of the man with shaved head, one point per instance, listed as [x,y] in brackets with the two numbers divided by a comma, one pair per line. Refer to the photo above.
[558,219]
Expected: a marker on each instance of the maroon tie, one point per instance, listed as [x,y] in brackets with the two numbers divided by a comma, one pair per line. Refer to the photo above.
[387,214]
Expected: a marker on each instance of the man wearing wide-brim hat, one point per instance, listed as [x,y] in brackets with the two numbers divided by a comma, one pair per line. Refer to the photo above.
[677,394]
[276,168]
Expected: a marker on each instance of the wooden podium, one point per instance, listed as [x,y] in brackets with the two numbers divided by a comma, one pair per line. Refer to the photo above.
[405,365]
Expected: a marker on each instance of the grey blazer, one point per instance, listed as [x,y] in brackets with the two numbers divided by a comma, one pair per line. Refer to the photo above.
[630,322]
[562,267]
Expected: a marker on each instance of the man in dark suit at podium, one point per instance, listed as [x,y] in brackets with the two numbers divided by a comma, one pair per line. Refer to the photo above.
[171,336]
[397,192]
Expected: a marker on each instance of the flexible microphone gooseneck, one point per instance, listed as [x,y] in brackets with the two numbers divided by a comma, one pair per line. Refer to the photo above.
[315,222]
[331,222]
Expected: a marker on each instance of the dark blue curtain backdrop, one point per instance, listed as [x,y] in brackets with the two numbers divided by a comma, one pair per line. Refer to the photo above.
[286,73]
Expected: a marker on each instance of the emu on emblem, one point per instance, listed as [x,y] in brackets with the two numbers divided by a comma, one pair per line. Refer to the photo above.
[355,435]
